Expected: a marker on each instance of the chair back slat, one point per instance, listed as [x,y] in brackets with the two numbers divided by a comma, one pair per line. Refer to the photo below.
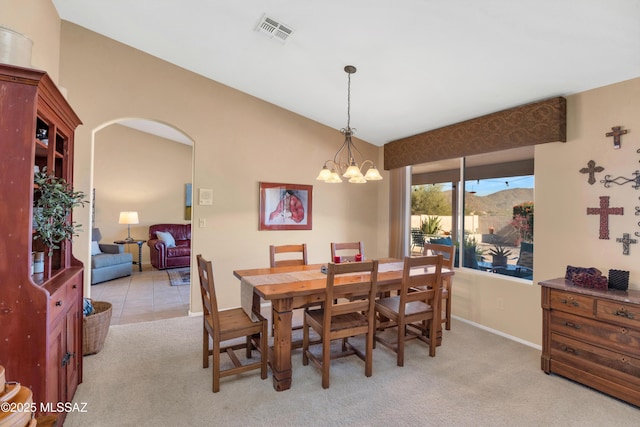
[334,306]
[351,248]
[421,280]
[208,291]
[301,259]
[447,252]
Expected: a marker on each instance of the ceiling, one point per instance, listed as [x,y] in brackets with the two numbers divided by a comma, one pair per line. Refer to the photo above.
[422,64]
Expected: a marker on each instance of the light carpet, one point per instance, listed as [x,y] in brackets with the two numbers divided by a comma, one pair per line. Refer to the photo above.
[180,276]
[150,374]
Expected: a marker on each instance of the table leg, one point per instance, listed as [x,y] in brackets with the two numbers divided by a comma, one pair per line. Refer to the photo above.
[140,256]
[281,357]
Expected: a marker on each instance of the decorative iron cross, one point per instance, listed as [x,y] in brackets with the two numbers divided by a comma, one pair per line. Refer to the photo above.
[604,211]
[626,241]
[616,134]
[591,169]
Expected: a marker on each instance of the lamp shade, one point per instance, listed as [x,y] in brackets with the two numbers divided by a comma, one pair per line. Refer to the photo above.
[128,218]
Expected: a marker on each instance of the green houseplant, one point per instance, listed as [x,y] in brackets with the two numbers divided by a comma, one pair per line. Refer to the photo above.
[54,199]
[499,255]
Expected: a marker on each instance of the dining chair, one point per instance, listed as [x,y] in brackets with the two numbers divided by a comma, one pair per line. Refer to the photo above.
[288,256]
[351,248]
[447,252]
[224,325]
[342,318]
[283,256]
[417,305]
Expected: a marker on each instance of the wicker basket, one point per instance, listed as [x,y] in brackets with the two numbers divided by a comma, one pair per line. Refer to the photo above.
[95,327]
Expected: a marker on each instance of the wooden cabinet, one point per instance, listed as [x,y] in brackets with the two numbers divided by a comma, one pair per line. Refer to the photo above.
[40,314]
[592,337]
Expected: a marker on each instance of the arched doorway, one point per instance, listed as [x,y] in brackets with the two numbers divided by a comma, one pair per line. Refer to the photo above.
[141,166]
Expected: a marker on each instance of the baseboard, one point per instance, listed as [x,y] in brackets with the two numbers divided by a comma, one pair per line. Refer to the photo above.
[502,334]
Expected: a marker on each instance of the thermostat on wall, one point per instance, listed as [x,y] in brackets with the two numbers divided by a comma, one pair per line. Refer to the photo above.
[206,196]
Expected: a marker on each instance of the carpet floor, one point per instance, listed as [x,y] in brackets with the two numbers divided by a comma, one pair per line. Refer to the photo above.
[150,374]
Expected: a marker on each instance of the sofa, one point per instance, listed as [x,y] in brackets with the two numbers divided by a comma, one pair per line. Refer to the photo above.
[170,245]
[108,260]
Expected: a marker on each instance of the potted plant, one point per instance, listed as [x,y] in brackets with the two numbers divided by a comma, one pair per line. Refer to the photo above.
[499,255]
[431,225]
[54,199]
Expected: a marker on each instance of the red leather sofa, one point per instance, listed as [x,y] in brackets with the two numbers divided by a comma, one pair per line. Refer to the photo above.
[164,255]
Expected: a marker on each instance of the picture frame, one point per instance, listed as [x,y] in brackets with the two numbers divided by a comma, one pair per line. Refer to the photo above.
[285,206]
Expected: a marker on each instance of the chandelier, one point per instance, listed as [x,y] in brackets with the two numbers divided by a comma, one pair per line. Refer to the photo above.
[344,162]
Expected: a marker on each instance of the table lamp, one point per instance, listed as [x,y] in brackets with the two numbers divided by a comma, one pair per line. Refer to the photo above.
[128,218]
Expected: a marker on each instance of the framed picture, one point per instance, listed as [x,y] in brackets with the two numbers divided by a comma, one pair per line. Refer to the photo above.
[285,206]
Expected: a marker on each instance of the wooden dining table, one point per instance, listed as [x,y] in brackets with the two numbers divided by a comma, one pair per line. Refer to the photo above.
[294,287]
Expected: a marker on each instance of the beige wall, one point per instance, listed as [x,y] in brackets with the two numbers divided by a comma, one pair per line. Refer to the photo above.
[564,234]
[238,141]
[137,171]
[38,20]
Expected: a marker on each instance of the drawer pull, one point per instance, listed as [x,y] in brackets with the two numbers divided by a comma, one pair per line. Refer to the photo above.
[58,303]
[569,350]
[624,313]
[570,302]
[572,325]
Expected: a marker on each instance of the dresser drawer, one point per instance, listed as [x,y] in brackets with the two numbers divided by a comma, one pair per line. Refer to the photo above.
[58,302]
[572,303]
[619,312]
[615,337]
[596,360]
[63,298]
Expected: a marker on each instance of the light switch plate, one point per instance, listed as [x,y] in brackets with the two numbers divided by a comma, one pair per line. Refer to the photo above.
[206,196]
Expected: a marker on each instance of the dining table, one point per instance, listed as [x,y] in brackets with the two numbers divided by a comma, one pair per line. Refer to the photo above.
[300,286]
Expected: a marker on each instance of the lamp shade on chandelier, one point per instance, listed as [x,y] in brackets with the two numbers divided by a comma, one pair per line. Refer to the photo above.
[344,162]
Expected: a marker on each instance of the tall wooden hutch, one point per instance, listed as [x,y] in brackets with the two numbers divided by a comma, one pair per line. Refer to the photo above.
[40,314]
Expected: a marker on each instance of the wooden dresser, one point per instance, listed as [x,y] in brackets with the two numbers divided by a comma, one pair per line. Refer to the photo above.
[592,337]
[41,313]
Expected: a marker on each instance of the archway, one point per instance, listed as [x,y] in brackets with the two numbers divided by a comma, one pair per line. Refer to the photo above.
[144,166]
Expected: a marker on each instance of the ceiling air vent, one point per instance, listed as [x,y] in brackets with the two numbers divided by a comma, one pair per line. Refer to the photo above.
[274,29]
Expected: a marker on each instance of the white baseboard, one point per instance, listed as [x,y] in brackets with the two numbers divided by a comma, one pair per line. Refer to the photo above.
[502,334]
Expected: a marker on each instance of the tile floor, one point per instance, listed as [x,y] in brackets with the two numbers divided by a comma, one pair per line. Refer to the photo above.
[143,296]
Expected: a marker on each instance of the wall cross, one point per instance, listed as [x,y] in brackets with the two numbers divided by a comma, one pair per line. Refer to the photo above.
[626,241]
[591,169]
[604,211]
[616,133]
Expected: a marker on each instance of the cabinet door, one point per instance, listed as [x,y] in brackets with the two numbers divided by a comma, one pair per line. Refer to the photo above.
[72,354]
[56,377]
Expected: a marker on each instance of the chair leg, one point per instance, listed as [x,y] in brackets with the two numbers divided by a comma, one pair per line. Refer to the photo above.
[216,366]
[432,337]
[448,306]
[368,363]
[248,346]
[400,343]
[205,348]
[305,343]
[326,361]
[264,352]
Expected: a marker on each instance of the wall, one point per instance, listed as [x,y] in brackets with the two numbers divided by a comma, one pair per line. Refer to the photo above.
[137,171]
[238,142]
[564,234]
[38,20]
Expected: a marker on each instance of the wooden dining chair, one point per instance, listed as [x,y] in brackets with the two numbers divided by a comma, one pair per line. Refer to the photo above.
[447,252]
[347,318]
[275,259]
[283,256]
[351,248]
[417,305]
[224,325]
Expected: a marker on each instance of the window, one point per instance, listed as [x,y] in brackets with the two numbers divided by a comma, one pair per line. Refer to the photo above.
[494,207]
